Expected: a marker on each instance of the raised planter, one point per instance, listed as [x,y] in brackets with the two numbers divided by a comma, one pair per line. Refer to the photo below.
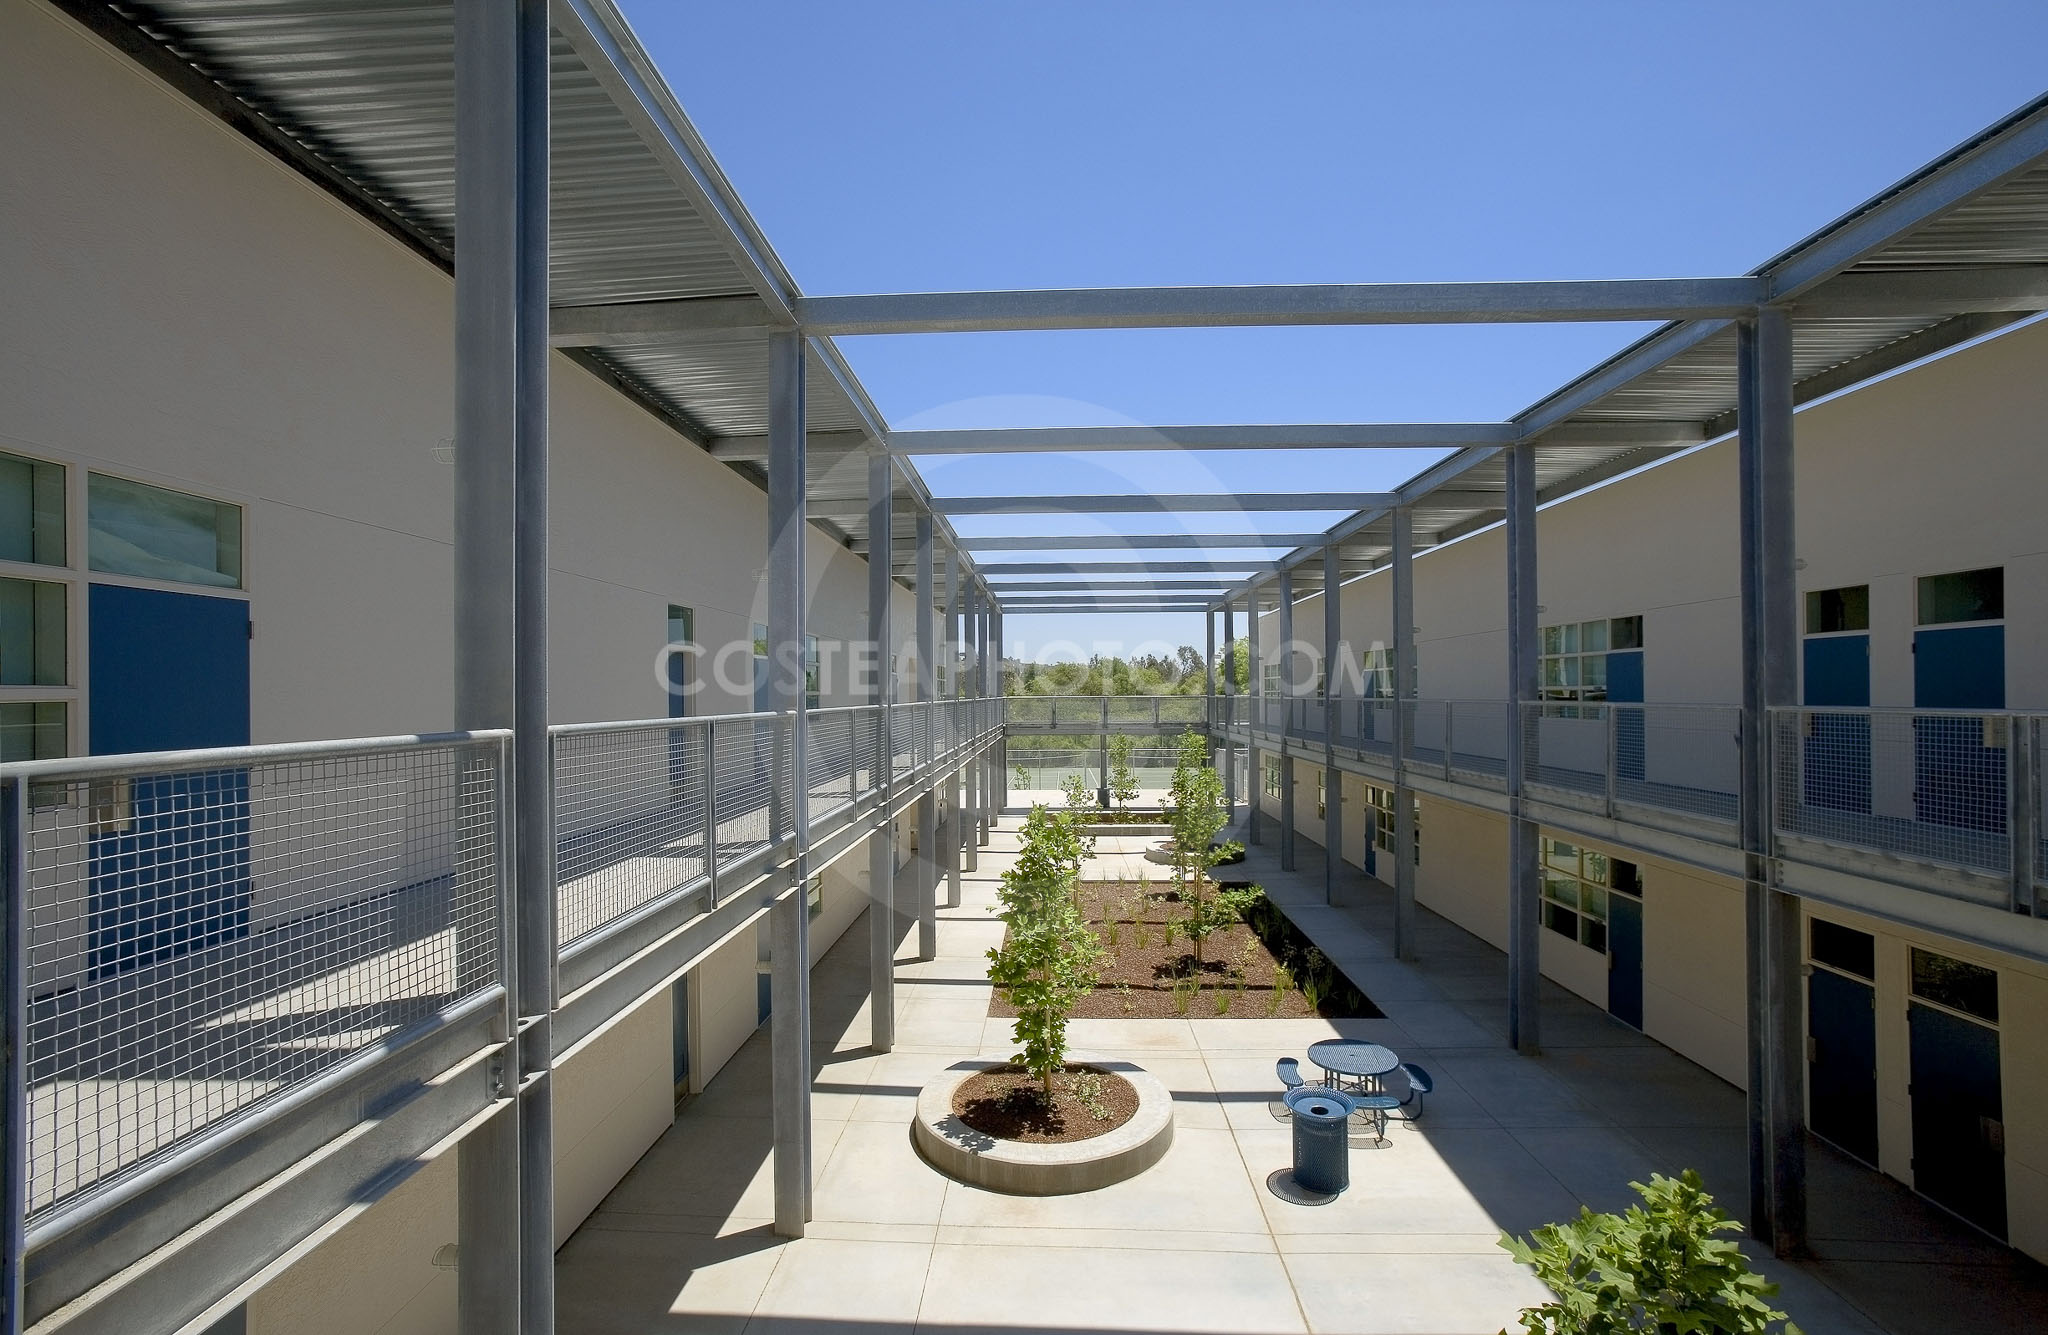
[1147,830]
[971,1156]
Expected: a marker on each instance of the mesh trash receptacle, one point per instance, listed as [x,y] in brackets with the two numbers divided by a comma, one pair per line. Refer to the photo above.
[1322,1156]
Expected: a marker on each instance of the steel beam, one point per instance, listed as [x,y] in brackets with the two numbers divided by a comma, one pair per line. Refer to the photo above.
[1404,732]
[1241,568]
[754,449]
[882,843]
[1134,504]
[1776,1085]
[1290,688]
[1090,439]
[1330,303]
[641,322]
[1333,779]
[1958,291]
[1138,542]
[927,692]
[1081,584]
[789,923]
[1525,944]
[505,1171]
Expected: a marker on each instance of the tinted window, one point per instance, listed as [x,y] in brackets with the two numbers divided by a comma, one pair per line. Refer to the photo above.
[31,511]
[1842,948]
[1829,610]
[33,633]
[1967,595]
[135,529]
[1628,633]
[1969,988]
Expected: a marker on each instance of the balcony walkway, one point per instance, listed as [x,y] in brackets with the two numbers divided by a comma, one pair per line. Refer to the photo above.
[1198,1242]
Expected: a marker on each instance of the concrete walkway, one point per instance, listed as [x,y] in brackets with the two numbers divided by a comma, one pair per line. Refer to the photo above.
[1198,1243]
[1603,1106]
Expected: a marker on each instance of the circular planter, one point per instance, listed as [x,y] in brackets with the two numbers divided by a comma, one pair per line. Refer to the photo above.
[971,1156]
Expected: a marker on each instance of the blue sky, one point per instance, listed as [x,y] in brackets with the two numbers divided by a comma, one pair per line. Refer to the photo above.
[918,146]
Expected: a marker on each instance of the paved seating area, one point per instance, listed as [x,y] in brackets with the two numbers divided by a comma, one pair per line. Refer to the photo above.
[1199,1242]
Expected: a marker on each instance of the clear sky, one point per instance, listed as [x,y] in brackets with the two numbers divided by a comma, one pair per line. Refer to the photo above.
[947,145]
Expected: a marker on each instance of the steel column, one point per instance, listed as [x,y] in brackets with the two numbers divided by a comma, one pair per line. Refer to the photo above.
[1333,780]
[1404,732]
[992,759]
[970,832]
[1776,1093]
[789,922]
[956,829]
[927,801]
[1255,782]
[13,1048]
[505,1168]
[1525,945]
[1290,689]
[882,843]
[1229,700]
[995,632]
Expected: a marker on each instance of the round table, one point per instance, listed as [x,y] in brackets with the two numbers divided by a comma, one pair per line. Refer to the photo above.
[1352,1057]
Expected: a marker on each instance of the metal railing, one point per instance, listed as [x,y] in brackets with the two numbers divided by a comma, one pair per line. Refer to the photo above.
[204,930]
[1948,787]
[1103,713]
[1636,759]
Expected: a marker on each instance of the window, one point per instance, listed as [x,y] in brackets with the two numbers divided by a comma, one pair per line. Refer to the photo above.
[31,511]
[1842,948]
[135,529]
[1381,802]
[810,672]
[1969,988]
[1968,595]
[1271,676]
[1576,882]
[1832,610]
[676,666]
[33,633]
[1272,768]
[1575,656]
[33,730]
[1322,808]
[1377,670]
[814,897]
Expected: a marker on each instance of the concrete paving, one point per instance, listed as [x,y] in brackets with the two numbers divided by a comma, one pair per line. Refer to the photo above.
[1199,1242]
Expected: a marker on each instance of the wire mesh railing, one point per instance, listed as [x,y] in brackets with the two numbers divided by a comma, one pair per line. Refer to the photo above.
[1927,785]
[1104,713]
[205,930]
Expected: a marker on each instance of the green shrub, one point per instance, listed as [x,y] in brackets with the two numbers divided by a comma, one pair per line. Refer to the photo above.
[1199,815]
[1655,1269]
[1123,783]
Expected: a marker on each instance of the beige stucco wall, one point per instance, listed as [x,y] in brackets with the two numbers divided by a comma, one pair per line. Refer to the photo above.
[1694,998]
[614,1096]
[239,334]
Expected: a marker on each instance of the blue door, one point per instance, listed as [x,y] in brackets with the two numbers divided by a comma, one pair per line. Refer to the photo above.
[170,874]
[1841,1055]
[1958,1118]
[1957,779]
[1625,959]
[1625,687]
[1836,761]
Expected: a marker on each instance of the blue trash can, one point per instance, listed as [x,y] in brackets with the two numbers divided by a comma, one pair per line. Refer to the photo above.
[1322,1156]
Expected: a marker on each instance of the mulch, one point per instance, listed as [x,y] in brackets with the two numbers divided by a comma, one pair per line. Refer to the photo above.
[1237,978]
[1007,1103]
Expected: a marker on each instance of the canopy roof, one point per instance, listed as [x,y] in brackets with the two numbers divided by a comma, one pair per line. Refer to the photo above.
[662,283]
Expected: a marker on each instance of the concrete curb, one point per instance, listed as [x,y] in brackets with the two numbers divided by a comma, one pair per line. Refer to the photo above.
[1042,1170]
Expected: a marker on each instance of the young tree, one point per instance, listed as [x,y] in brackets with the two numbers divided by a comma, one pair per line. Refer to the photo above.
[1050,957]
[1198,817]
[1123,783]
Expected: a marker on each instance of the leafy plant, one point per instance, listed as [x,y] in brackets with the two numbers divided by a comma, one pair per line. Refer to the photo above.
[1658,1268]
[1090,1090]
[1023,777]
[1198,815]
[1051,956]
[1222,1002]
[1075,789]
[1123,783]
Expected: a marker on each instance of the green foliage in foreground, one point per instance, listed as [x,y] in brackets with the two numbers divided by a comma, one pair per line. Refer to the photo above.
[1051,957]
[1656,1267]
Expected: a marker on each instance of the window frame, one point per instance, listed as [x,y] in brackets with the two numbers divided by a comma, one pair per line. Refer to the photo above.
[1553,866]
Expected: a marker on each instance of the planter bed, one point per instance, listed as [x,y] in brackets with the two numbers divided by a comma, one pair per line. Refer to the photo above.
[1043,1167]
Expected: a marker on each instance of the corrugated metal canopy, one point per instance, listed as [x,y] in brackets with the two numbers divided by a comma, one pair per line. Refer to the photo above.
[359,94]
